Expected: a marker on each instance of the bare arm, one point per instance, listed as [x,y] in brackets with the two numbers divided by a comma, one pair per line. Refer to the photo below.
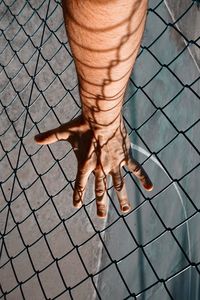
[104,36]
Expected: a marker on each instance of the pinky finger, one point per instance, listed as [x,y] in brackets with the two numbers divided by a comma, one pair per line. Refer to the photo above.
[140,173]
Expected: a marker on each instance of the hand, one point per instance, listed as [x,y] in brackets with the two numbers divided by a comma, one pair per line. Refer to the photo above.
[102,153]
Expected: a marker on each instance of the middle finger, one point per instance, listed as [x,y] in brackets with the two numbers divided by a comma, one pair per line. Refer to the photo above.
[100,192]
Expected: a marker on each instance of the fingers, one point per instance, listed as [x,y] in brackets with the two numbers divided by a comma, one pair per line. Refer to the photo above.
[80,186]
[100,192]
[53,135]
[140,173]
[120,188]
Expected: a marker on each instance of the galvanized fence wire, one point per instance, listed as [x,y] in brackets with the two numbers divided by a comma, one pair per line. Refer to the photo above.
[14,62]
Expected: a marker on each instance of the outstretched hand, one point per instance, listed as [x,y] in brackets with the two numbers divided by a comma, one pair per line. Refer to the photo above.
[101,153]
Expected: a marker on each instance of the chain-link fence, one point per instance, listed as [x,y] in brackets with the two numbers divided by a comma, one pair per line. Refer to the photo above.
[49,250]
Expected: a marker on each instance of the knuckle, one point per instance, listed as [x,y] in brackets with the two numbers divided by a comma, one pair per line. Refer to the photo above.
[118,186]
[100,176]
[83,172]
[79,187]
[137,169]
[99,192]
[78,193]
[77,197]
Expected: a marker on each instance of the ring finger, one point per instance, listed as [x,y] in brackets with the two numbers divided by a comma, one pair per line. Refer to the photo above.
[120,187]
[100,192]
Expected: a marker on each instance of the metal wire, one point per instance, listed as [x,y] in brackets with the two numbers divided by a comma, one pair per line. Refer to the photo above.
[23,47]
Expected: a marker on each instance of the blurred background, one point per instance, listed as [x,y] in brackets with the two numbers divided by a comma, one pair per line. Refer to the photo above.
[50,250]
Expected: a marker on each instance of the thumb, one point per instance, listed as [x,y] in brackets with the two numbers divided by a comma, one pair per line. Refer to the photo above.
[52,136]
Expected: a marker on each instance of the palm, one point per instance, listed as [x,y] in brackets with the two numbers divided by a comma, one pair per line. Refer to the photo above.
[101,154]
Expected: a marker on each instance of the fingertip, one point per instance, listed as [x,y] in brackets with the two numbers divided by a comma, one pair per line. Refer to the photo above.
[101,211]
[77,204]
[101,214]
[38,138]
[125,208]
[149,186]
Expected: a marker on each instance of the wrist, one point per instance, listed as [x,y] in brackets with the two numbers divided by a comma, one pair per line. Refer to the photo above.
[100,123]
[102,115]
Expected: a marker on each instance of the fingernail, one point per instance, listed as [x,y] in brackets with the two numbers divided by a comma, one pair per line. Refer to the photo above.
[101,214]
[125,208]
[37,137]
[148,187]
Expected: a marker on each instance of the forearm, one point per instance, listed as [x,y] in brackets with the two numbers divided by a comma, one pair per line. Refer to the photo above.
[104,36]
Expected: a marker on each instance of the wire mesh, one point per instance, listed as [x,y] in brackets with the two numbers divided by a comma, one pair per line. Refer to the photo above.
[35,181]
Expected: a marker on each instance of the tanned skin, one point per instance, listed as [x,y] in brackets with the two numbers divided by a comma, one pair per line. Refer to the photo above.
[104,37]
